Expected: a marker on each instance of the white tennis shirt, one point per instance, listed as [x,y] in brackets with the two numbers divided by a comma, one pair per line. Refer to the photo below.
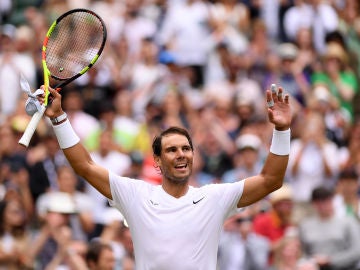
[170,233]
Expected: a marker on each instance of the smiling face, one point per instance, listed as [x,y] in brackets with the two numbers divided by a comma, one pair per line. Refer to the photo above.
[176,158]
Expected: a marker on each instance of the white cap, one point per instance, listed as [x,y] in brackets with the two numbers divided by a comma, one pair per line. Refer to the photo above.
[248,141]
[283,193]
[61,202]
[288,51]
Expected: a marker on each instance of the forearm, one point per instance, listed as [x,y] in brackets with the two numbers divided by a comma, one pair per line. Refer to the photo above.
[345,91]
[273,172]
[80,159]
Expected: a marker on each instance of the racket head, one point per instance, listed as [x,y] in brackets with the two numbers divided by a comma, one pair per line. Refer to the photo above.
[73,44]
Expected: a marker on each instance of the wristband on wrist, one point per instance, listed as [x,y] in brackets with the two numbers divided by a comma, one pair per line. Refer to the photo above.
[58,120]
[280,144]
[65,134]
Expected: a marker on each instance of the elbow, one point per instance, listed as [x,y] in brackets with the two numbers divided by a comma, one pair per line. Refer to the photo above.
[274,183]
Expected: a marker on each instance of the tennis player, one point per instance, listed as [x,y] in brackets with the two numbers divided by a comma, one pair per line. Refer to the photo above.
[174,225]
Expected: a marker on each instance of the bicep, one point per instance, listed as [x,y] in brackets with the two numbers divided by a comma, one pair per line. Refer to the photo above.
[255,189]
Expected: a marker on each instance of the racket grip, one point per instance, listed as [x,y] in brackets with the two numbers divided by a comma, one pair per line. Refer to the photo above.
[31,127]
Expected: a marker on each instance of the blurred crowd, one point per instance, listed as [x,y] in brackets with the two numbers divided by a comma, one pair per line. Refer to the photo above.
[203,65]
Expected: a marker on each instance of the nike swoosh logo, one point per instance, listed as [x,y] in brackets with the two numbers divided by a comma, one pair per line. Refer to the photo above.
[154,203]
[195,202]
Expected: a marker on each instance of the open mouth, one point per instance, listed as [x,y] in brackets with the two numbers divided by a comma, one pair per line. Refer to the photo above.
[181,166]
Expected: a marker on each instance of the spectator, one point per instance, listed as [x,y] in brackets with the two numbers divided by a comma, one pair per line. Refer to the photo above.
[82,224]
[100,256]
[289,74]
[325,20]
[13,63]
[339,77]
[274,223]
[189,39]
[307,59]
[247,159]
[15,236]
[299,16]
[231,22]
[337,125]
[346,199]
[55,233]
[332,242]
[112,160]
[84,123]
[289,255]
[314,161]
[241,247]
[44,159]
[117,233]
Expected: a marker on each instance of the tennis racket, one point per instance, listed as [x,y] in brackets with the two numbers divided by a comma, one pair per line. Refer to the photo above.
[71,47]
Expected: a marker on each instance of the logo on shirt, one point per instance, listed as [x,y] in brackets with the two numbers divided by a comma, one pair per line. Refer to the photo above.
[195,202]
[154,203]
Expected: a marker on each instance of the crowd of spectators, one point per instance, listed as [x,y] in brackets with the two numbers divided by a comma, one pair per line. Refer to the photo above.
[203,65]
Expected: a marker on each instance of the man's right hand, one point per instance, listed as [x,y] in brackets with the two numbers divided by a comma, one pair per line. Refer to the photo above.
[54,109]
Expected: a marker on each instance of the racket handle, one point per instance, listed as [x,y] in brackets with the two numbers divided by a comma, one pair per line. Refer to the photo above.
[31,127]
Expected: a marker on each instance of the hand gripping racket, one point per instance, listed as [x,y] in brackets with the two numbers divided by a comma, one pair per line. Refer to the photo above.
[71,47]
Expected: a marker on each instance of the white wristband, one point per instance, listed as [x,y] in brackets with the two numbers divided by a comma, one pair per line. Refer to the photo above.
[66,135]
[280,144]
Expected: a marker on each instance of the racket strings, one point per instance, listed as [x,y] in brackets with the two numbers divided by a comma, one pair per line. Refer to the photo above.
[73,44]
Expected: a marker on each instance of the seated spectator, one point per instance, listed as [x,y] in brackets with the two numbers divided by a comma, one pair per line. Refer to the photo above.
[332,242]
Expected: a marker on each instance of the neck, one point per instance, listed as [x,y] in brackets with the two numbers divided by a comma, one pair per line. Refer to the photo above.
[175,190]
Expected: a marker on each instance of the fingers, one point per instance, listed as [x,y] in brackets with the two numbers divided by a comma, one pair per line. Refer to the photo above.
[275,95]
[269,99]
[280,95]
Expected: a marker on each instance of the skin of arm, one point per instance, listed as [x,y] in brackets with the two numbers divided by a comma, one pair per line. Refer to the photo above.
[78,157]
[256,187]
[273,172]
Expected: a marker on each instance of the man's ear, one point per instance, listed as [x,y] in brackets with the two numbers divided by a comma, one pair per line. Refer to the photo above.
[157,161]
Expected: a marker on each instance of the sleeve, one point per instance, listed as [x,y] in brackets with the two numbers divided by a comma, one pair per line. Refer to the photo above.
[228,196]
[124,190]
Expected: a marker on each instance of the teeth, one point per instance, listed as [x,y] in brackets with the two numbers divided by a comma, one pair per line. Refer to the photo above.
[180,166]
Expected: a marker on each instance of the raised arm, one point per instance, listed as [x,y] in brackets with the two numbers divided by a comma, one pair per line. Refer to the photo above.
[78,157]
[272,174]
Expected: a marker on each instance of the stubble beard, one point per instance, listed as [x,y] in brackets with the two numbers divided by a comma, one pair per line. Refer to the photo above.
[177,180]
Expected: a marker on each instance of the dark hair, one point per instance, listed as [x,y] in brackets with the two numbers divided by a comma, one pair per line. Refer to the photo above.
[94,250]
[321,193]
[16,231]
[349,173]
[156,145]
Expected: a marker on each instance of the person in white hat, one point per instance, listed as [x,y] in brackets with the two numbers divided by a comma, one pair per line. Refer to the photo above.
[247,159]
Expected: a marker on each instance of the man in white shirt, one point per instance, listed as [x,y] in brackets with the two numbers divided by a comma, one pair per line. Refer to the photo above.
[175,225]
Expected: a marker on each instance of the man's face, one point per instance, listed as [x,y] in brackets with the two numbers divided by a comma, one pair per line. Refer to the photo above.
[176,159]
[324,207]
